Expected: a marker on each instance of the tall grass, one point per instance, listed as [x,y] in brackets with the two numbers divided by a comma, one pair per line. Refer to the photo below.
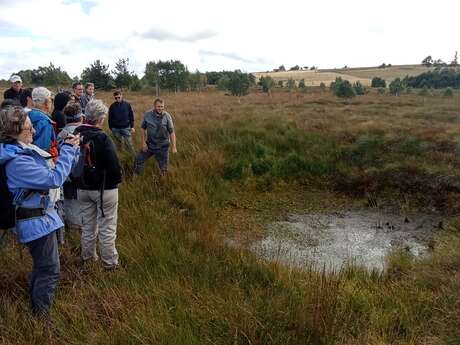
[179,282]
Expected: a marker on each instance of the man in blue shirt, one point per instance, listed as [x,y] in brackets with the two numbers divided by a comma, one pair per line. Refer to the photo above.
[121,121]
[159,127]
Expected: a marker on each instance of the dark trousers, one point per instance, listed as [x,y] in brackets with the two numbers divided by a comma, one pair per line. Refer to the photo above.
[45,272]
[161,155]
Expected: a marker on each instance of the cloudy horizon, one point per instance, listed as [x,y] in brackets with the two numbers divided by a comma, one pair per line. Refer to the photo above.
[212,36]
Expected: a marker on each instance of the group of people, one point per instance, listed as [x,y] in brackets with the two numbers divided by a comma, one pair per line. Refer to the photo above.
[61,168]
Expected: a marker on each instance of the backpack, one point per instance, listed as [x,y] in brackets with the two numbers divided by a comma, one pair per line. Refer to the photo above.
[85,173]
[7,209]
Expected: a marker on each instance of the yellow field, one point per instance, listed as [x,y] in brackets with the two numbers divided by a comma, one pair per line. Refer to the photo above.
[364,75]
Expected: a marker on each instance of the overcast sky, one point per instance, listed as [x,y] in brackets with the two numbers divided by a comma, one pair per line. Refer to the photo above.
[234,34]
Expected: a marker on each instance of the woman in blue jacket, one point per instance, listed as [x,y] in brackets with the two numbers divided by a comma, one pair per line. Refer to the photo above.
[34,181]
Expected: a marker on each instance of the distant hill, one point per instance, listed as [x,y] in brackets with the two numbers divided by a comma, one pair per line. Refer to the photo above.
[363,74]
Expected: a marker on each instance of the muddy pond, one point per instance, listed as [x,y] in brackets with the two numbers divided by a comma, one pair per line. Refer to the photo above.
[333,240]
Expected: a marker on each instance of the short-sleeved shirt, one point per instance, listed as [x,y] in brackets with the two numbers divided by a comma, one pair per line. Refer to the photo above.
[158,128]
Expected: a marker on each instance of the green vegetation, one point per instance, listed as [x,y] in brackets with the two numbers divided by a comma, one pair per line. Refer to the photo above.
[448,92]
[239,166]
[396,87]
[99,74]
[378,82]
[267,84]
[359,88]
[438,79]
[45,75]
[342,88]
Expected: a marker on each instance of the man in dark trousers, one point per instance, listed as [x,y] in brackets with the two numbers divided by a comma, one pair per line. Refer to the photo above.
[14,92]
[157,136]
[121,121]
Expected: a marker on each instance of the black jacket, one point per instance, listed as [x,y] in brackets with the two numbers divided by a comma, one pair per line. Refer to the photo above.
[121,115]
[105,156]
[12,94]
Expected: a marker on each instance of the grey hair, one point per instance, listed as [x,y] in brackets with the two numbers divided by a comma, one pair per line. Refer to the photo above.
[40,95]
[12,120]
[95,111]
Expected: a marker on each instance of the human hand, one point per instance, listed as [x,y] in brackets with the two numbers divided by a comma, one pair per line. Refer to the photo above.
[133,130]
[73,140]
[145,147]
[174,150]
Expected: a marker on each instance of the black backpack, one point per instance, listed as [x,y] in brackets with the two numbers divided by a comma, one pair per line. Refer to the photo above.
[85,173]
[7,209]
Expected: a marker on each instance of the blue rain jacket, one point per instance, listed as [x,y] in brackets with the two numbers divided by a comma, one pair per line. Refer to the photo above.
[29,179]
[44,131]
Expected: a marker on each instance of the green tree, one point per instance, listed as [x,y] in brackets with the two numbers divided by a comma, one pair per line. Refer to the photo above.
[172,75]
[136,83]
[197,81]
[428,61]
[448,92]
[291,84]
[239,83]
[378,82]
[396,87]
[267,84]
[295,68]
[99,74]
[122,76]
[223,83]
[45,75]
[302,84]
[359,88]
[342,88]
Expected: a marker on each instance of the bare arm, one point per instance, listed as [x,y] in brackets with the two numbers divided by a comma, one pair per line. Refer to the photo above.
[173,142]
[143,141]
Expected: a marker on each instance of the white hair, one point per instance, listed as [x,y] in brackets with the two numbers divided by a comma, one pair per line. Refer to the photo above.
[40,95]
[95,111]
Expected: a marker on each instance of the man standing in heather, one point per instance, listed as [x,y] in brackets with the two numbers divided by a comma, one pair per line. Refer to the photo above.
[157,136]
[121,122]
[14,92]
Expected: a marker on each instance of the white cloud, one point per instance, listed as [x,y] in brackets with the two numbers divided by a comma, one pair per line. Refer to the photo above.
[214,35]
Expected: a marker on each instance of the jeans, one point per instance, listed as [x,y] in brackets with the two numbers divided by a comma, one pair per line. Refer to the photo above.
[123,138]
[161,155]
[45,272]
[95,227]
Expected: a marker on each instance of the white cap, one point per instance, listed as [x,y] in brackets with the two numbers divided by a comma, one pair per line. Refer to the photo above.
[15,78]
[40,95]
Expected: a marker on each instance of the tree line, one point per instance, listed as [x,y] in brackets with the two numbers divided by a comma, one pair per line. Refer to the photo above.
[171,75]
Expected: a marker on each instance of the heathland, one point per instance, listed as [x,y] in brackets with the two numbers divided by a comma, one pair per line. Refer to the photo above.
[239,166]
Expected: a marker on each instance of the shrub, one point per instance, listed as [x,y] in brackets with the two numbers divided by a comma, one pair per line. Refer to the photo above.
[302,84]
[261,166]
[342,88]
[448,92]
[322,87]
[381,90]
[359,88]
[136,84]
[378,82]
[267,83]
[396,87]
[423,91]
[233,170]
